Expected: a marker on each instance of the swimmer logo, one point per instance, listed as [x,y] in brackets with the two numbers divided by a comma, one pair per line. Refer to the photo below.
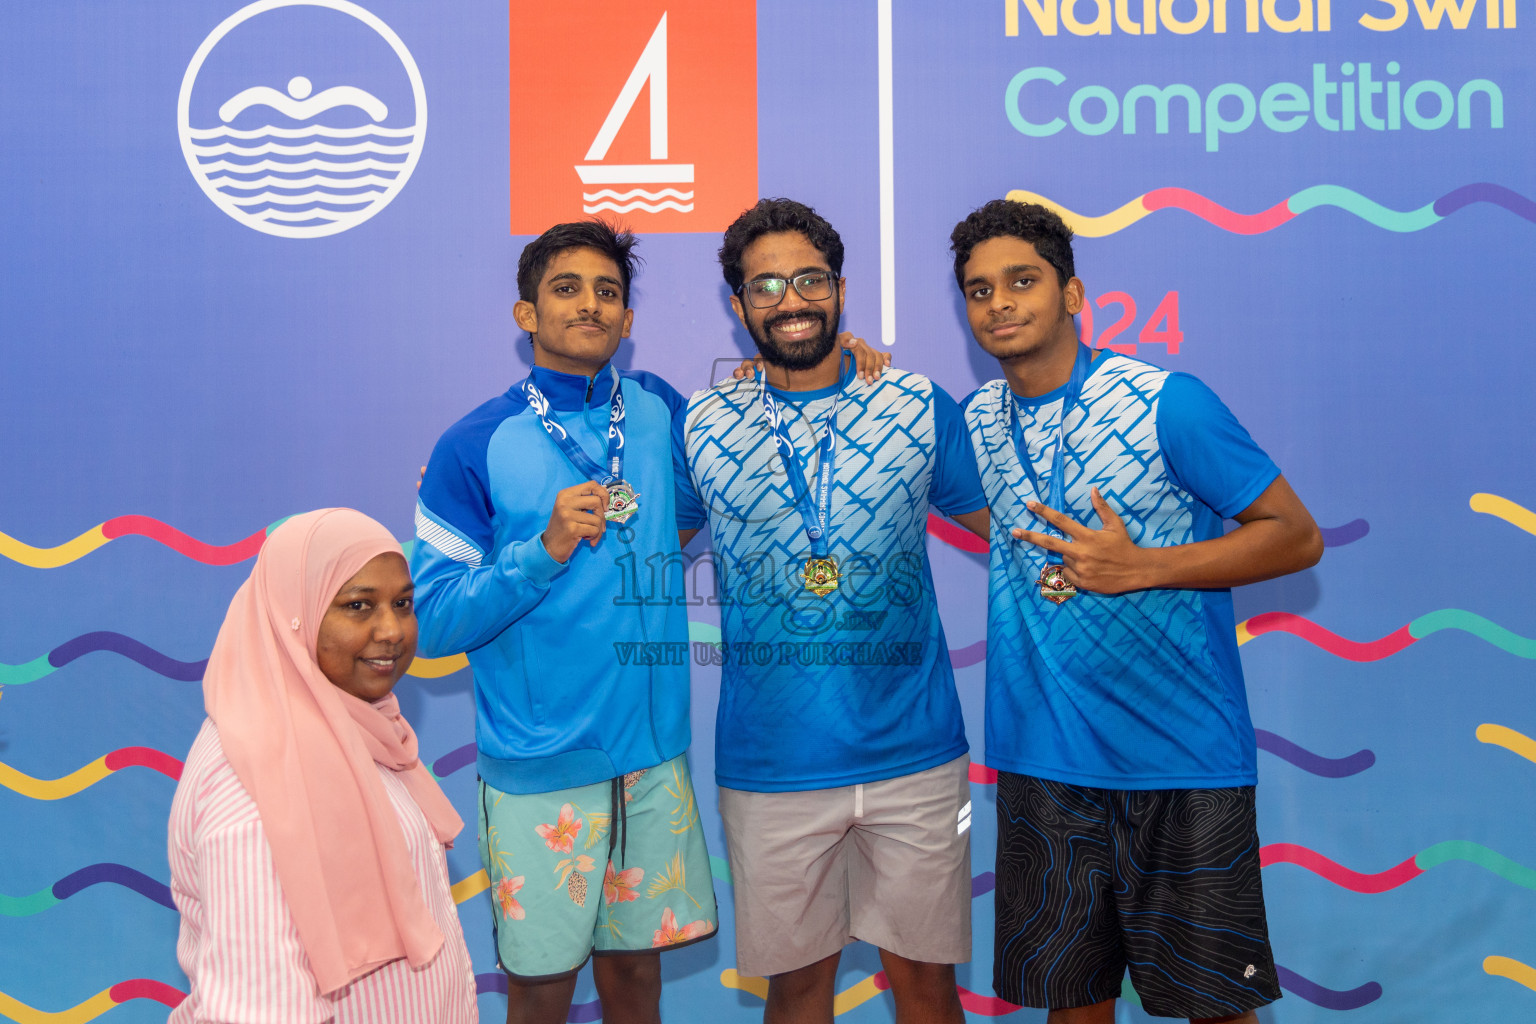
[659,127]
[301,155]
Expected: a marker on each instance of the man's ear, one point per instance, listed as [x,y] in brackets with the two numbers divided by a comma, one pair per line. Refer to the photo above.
[740,310]
[629,321]
[1075,298]
[526,315]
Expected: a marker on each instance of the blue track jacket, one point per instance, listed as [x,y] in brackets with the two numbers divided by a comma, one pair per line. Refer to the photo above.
[581,669]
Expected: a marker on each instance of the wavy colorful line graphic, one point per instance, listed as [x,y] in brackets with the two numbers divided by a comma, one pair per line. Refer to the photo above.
[1381,881]
[1514,970]
[127,526]
[1327,998]
[470,886]
[1515,515]
[89,643]
[971,654]
[857,994]
[1509,739]
[89,775]
[75,881]
[459,757]
[183,671]
[985,1006]
[1338,536]
[228,554]
[100,1003]
[1384,647]
[956,536]
[1301,757]
[1312,198]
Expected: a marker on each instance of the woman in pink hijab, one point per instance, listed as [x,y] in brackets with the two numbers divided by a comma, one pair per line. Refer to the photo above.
[306,837]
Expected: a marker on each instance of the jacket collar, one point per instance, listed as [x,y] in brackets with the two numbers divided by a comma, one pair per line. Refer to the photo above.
[569,392]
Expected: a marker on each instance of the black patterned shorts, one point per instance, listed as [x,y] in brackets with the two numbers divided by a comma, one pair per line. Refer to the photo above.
[1091,882]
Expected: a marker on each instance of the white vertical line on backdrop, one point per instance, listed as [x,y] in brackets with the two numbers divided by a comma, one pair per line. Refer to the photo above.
[887,181]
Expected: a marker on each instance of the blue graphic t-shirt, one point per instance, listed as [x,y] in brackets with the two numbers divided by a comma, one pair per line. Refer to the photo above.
[1131,691]
[856,686]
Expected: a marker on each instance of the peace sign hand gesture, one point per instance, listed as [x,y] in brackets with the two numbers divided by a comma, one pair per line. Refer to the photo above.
[1104,561]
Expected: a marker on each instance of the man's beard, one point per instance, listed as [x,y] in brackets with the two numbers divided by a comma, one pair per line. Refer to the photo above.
[799,355]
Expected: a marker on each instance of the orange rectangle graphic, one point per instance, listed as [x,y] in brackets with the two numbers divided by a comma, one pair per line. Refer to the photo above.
[642,112]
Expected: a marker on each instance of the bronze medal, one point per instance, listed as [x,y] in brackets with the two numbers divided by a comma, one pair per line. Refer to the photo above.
[1054,586]
[820,575]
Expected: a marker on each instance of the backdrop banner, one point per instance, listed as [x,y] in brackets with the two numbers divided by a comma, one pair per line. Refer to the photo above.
[258,257]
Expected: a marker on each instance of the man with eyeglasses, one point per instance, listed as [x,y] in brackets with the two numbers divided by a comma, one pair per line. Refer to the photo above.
[840,750]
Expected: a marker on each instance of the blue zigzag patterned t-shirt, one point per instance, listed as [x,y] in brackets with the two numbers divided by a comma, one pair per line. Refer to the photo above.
[856,686]
[1131,691]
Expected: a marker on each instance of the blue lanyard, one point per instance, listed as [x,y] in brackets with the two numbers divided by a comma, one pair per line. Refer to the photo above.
[814,516]
[1058,482]
[562,438]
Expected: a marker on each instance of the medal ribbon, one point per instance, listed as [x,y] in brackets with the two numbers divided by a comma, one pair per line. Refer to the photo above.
[1058,483]
[815,516]
[568,446]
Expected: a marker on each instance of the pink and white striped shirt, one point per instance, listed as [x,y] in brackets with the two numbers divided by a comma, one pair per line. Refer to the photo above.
[238,944]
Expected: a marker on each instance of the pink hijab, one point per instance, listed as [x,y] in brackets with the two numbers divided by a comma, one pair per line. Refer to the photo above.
[305,751]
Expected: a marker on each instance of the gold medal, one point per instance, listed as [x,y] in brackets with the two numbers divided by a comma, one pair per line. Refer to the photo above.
[1053,584]
[820,575]
[623,502]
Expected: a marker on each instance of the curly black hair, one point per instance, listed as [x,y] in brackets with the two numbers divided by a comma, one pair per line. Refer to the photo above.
[1038,225]
[769,216]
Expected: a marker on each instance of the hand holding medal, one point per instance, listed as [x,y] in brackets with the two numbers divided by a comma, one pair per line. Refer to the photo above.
[577,516]
[1104,561]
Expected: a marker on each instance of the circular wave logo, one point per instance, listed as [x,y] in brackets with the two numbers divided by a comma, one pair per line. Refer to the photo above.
[302,118]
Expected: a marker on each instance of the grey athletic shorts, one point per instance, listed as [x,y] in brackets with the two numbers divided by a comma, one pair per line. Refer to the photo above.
[887,862]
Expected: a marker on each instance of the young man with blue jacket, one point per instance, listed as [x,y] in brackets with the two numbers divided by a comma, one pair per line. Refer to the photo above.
[533,509]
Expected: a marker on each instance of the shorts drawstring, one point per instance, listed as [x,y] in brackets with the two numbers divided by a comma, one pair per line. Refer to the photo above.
[618,822]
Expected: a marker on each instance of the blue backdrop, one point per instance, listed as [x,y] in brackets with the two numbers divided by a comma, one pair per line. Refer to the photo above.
[1337,249]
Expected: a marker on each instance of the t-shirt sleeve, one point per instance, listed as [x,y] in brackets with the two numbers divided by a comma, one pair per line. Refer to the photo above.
[1208,452]
[956,483]
[690,510]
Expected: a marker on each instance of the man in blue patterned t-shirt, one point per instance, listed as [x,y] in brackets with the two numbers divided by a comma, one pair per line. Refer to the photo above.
[1116,713]
[840,750]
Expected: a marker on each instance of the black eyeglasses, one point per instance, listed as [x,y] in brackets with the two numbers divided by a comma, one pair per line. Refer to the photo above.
[765,292]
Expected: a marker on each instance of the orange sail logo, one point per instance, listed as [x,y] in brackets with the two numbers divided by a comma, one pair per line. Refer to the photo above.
[648,118]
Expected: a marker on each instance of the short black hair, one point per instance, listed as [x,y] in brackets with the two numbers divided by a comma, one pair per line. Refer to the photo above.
[769,216]
[608,239]
[1038,225]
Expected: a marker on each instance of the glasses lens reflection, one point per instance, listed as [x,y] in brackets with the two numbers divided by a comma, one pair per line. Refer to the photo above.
[770,291]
